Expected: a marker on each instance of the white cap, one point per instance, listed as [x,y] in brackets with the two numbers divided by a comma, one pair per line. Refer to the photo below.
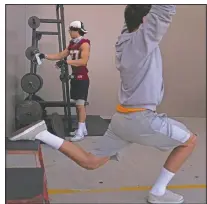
[79,25]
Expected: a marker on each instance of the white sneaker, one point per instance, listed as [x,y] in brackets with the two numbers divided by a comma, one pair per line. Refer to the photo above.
[85,132]
[168,197]
[78,137]
[29,132]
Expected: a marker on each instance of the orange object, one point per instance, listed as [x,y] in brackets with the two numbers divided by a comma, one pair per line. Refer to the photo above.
[122,109]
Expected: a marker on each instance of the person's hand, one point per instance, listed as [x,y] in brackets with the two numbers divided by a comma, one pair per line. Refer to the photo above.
[61,63]
[42,56]
[38,58]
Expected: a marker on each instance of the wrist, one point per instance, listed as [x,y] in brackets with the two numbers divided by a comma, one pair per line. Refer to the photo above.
[68,62]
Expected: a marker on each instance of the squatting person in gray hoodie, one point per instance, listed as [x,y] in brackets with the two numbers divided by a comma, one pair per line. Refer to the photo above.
[139,62]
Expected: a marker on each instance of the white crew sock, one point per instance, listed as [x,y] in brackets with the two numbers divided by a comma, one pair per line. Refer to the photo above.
[81,126]
[160,185]
[50,139]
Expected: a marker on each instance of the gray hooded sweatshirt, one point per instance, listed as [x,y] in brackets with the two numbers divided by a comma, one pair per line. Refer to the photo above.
[139,60]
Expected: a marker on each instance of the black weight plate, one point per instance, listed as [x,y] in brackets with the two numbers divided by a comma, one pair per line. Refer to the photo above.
[28,112]
[34,22]
[31,83]
[57,125]
[41,81]
[30,52]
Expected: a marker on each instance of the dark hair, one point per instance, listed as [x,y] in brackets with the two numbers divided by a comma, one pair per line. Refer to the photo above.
[134,14]
[81,32]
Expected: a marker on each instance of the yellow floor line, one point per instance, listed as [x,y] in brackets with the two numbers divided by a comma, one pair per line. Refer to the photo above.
[121,189]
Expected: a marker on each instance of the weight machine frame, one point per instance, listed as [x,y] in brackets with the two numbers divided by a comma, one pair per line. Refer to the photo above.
[64,76]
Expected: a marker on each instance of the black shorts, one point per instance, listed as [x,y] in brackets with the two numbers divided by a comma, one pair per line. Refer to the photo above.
[79,89]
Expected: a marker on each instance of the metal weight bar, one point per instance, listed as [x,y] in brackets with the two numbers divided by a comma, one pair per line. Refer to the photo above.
[47,32]
[50,21]
[67,90]
[60,50]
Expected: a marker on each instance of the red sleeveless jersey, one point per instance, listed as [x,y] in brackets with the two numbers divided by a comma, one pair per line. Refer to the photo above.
[81,72]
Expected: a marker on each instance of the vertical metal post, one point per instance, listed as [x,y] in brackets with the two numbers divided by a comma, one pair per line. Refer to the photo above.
[35,45]
[60,49]
[66,70]
[32,68]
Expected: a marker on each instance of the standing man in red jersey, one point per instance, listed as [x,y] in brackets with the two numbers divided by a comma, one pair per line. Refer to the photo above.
[79,50]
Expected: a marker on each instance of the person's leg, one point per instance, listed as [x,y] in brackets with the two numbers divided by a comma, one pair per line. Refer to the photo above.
[81,96]
[151,129]
[81,110]
[77,113]
[81,132]
[110,144]
[172,134]
[38,131]
[173,163]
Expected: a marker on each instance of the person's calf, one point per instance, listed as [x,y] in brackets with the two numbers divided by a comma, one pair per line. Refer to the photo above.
[82,130]
[179,155]
[175,160]
[94,162]
[81,157]
[81,113]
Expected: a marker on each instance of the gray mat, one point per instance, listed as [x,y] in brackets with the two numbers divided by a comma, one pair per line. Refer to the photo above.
[24,183]
[96,125]
[22,145]
[108,120]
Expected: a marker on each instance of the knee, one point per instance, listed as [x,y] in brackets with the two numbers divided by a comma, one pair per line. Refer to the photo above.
[191,142]
[80,107]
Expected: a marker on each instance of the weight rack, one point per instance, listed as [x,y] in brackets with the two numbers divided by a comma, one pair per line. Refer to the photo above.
[64,76]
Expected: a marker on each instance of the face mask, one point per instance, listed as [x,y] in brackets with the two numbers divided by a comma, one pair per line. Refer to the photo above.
[76,40]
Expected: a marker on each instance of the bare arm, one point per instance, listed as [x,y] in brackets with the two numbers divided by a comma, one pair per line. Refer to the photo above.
[58,56]
[85,53]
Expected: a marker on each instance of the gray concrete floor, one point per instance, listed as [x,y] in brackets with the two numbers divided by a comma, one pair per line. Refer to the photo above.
[139,166]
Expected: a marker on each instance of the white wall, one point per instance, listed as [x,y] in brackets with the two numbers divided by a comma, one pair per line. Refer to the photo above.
[15,60]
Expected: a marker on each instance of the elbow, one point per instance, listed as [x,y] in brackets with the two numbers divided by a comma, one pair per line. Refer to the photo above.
[84,63]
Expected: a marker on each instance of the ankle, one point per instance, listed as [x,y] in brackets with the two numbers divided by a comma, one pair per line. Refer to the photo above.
[158,191]
[81,125]
[161,183]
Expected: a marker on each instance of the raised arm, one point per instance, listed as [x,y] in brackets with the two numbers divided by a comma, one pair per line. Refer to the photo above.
[155,25]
